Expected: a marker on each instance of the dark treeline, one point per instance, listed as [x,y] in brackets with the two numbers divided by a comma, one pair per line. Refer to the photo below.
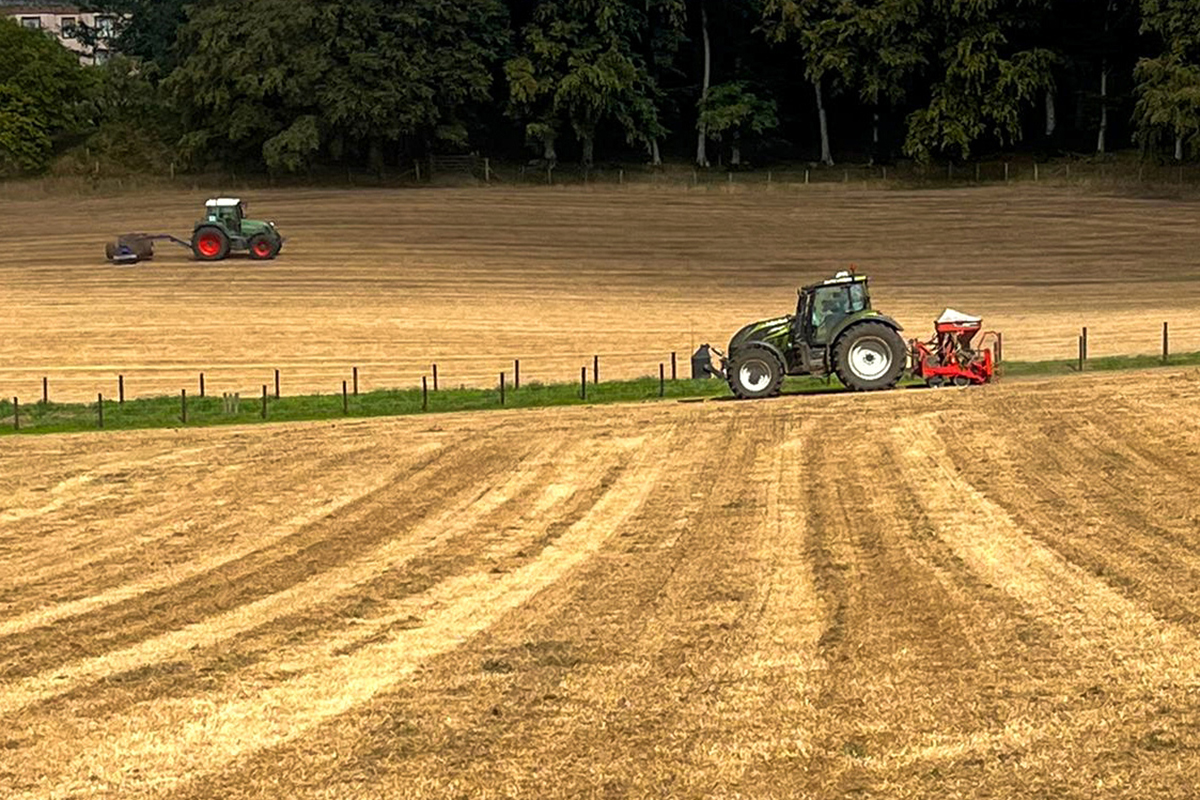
[286,85]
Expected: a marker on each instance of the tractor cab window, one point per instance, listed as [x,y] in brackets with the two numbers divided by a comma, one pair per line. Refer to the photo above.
[858,297]
[830,305]
[230,216]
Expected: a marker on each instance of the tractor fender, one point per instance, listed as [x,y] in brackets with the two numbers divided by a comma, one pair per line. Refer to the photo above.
[766,344]
[869,316]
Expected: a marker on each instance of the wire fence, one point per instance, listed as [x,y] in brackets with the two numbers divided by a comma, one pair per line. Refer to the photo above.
[477,170]
[465,372]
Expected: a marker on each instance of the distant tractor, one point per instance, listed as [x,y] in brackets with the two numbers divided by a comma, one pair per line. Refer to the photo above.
[834,331]
[224,230]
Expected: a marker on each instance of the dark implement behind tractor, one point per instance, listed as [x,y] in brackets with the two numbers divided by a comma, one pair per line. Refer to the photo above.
[223,230]
[834,330]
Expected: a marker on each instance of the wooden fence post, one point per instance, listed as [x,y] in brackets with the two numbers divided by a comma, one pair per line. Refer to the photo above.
[100,409]
[1166,344]
[45,391]
[1085,343]
[264,401]
[355,372]
[673,373]
[583,383]
[661,380]
[121,390]
[345,400]
[501,388]
[183,405]
[595,369]
[435,382]
[516,373]
[999,347]
[202,384]
[276,384]
[424,393]
[16,414]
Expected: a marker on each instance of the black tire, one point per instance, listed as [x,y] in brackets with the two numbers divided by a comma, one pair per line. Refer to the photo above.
[209,243]
[754,371]
[869,356]
[263,247]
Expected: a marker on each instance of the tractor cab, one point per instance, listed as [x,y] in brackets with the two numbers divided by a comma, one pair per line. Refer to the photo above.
[822,306]
[226,211]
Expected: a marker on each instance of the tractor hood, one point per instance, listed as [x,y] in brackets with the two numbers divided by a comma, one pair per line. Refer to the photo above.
[773,331]
[253,226]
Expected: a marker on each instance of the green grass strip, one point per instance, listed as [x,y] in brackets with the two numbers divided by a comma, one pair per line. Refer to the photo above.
[165,412]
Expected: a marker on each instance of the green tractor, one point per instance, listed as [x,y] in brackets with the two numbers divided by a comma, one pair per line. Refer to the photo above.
[223,230]
[834,331]
[226,230]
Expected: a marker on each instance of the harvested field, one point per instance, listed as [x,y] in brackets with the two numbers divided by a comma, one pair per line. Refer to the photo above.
[390,281]
[986,592]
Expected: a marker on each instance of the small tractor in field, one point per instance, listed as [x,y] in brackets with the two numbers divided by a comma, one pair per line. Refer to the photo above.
[224,230]
[836,332]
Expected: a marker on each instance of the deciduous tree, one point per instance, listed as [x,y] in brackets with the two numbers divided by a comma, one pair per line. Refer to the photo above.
[43,92]
[1168,84]
[578,65]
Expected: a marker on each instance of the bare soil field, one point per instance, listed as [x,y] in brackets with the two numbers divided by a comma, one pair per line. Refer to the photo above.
[391,281]
[983,592]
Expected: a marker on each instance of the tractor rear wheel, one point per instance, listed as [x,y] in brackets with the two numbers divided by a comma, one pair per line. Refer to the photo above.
[754,371]
[210,244]
[869,356]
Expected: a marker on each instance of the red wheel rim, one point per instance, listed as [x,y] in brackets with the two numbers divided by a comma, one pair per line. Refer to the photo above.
[262,249]
[209,244]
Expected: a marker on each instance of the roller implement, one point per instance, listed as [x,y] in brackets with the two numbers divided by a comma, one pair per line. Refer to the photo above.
[835,331]
[224,230]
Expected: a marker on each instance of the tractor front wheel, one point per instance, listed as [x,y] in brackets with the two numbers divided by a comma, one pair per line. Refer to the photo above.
[210,244]
[262,247]
[869,356]
[754,371]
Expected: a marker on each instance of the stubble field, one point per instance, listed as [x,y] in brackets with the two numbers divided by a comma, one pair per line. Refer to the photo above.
[391,281]
[954,593]
[983,592]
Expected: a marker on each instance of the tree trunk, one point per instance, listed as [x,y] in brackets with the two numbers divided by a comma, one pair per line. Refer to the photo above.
[655,156]
[1051,118]
[826,156]
[701,155]
[1179,147]
[549,154]
[1103,106]
[375,155]
[589,149]
[874,134]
